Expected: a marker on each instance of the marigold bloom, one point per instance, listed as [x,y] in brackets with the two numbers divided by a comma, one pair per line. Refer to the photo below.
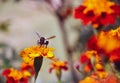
[27,66]
[86,58]
[89,80]
[109,40]
[98,6]
[16,76]
[107,43]
[95,79]
[97,12]
[28,54]
[58,65]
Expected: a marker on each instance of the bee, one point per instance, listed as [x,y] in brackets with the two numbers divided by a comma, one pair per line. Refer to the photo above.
[43,40]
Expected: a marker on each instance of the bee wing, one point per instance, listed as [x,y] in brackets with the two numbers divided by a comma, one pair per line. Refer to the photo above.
[38,34]
[51,37]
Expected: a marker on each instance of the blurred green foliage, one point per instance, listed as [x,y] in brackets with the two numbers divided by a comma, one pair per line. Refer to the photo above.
[4,26]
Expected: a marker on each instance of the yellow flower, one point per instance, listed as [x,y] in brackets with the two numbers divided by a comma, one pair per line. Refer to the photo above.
[91,53]
[113,36]
[95,79]
[58,65]
[98,6]
[102,74]
[16,75]
[28,54]
[99,66]
[89,80]
[28,66]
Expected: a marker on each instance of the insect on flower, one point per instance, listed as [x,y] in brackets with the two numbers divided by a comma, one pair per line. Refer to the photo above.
[43,40]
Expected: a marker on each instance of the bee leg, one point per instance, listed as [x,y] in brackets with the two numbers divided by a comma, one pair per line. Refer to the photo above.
[46,43]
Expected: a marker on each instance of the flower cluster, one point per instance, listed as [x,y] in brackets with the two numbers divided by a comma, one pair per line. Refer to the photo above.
[107,43]
[97,12]
[16,76]
[33,57]
[99,62]
[103,49]
[95,79]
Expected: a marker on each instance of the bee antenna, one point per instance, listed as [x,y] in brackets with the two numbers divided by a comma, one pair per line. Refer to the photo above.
[38,34]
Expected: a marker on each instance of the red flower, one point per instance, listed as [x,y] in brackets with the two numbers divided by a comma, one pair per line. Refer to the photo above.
[97,12]
[91,44]
[88,67]
[106,43]
[115,55]
[16,76]
[28,66]
[116,9]
[84,58]
[78,12]
[87,17]
[58,66]
[106,18]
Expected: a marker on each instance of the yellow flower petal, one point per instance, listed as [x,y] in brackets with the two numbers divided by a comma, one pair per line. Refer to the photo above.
[30,53]
[50,54]
[27,59]
[26,73]
[98,6]
[33,55]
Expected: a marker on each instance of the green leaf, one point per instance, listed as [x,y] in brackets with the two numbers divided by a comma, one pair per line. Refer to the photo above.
[93,62]
[37,65]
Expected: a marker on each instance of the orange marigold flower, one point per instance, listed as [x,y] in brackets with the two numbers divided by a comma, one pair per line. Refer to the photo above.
[98,6]
[87,17]
[28,66]
[107,43]
[86,58]
[58,65]
[94,78]
[16,76]
[88,55]
[102,74]
[88,67]
[110,40]
[28,54]
[92,44]
[97,12]
[89,80]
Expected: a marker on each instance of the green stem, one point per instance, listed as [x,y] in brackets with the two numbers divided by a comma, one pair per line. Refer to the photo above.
[59,81]
[95,31]
[58,74]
